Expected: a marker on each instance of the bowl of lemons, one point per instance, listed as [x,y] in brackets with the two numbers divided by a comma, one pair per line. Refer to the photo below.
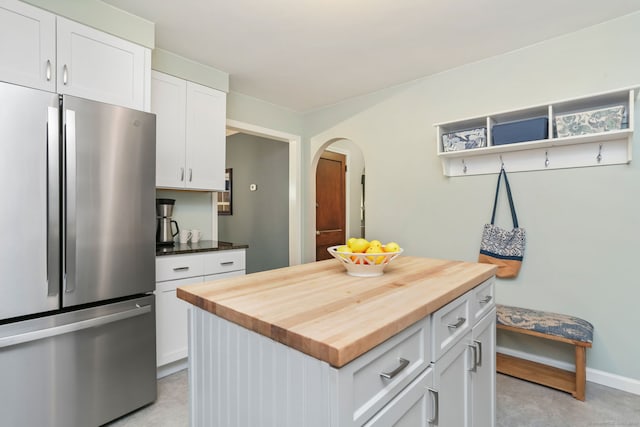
[363,258]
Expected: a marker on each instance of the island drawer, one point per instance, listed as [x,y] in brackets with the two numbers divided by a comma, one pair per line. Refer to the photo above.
[377,376]
[449,324]
[179,267]
[483,299]
[224,261]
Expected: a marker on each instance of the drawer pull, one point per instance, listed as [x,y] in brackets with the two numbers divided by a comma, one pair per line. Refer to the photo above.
[434,418]
[388,375]
[486,299]
[180,268]
[479,344]
[474,350]
[227,263]
[458,323]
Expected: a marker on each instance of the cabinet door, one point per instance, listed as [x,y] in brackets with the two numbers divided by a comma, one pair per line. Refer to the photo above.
[98,66]
[27,45]
[171,321]
[412,407]
[206,138]
[483,377]
[169,103]
[451,381]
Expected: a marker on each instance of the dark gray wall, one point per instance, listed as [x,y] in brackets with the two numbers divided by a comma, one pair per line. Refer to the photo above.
[260,218]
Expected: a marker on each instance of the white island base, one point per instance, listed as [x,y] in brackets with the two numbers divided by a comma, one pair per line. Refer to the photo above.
[442,371]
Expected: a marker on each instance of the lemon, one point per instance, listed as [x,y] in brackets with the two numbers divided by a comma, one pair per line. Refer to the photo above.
[343,248]
[359,245]
[392,247]
[351,241]
[375,250]
[375,243]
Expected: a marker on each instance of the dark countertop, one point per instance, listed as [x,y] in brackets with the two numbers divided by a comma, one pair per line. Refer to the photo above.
[201,246]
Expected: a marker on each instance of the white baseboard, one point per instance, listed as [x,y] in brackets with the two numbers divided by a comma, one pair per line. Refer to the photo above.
[171,368]
[608,379]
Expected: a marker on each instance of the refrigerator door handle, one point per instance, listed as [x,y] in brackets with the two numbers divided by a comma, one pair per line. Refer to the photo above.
[69,209]
[73,327]
[52,227]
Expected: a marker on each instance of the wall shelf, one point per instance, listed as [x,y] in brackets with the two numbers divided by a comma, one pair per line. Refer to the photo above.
[595,149]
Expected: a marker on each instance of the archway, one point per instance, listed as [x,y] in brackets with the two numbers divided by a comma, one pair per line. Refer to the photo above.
[354,187]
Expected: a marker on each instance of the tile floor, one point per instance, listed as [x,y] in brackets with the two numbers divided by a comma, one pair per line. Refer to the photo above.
[519,404]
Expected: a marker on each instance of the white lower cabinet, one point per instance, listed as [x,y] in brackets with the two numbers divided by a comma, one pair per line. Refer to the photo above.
[483,376]
[438,372]
[413,407]
[451,383]
[171,321]
[464,378]
[173,271]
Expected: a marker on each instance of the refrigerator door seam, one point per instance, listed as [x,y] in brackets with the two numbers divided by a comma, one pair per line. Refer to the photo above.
[73,327]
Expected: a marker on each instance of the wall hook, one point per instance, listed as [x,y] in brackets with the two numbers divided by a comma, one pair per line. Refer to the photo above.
[501,162]
[599,156]
[464,166]
[546,159]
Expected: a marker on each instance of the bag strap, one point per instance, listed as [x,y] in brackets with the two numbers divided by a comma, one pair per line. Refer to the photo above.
[495,202]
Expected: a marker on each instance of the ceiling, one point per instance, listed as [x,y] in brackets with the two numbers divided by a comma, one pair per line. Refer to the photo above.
[307,54]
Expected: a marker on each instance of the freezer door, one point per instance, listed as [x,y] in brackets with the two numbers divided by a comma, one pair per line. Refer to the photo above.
[109,181]
[29,256]
[78,369]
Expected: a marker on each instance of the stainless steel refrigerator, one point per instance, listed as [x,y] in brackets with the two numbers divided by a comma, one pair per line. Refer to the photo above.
[77,261]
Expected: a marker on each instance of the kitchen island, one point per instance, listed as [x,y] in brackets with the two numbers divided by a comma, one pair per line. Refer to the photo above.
[309,345]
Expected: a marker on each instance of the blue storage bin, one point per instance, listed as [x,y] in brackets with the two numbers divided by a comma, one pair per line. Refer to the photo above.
[520,131]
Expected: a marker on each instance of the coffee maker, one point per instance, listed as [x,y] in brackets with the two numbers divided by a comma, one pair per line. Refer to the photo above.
[164,232]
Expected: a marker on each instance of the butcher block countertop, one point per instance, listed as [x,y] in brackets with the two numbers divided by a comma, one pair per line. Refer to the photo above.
[320,310]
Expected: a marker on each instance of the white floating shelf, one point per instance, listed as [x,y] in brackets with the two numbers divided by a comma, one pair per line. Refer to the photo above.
[598,149]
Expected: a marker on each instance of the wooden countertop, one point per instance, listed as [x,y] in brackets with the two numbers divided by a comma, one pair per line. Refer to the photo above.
[320,310]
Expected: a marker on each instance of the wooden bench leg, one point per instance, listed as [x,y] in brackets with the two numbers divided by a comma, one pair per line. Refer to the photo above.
[581,373]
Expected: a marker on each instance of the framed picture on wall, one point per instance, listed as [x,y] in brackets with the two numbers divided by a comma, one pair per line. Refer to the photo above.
[224,197]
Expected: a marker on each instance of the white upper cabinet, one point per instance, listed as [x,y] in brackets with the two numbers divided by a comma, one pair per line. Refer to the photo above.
[169,103]
[206,137]
[41,50]
[27,45]
[99,66]
[190,128]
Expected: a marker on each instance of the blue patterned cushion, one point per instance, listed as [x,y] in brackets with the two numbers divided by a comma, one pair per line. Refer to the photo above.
[544,322]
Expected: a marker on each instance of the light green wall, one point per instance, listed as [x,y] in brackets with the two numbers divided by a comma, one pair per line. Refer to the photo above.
[193,209]
[179,66]
[257,112]
[582,224]
[104,17]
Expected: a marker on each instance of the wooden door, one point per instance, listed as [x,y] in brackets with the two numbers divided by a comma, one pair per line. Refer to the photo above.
[330,203]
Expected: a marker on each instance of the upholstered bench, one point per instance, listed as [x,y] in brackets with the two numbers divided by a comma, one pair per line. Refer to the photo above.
[551,326]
